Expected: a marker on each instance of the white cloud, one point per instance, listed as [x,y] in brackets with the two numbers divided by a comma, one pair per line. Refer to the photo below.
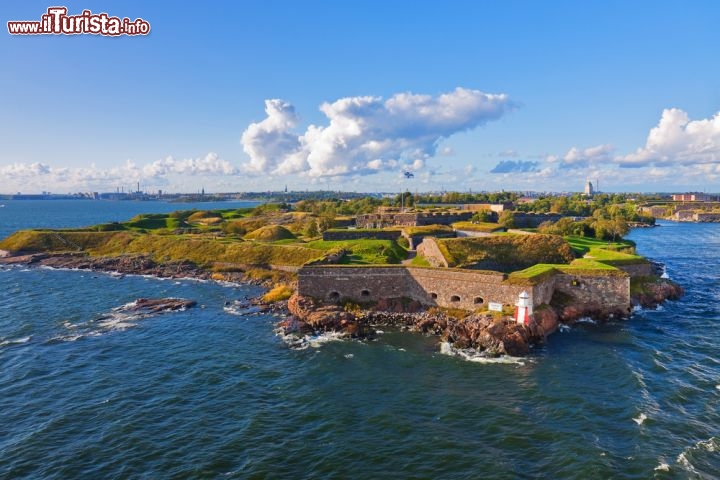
[39,176]
[586,157]
[366,134]
[210,164]
[678,140]
[24,170]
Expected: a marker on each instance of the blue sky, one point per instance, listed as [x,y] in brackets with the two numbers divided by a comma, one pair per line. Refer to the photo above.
[251,95]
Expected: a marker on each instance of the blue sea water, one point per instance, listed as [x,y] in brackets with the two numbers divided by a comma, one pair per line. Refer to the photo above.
[89,392]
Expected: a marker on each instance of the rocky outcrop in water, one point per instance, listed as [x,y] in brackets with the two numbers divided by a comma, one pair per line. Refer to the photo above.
[156,305]
[484,332]
[655,291]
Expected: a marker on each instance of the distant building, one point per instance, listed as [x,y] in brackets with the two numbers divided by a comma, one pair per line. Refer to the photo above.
[692,197]
[589,190]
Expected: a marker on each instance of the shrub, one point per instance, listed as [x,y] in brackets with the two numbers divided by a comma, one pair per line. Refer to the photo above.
[278,293]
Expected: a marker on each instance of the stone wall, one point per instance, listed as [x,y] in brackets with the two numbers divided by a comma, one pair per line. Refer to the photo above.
[410,219]
[430,250]
[453,288]
[358,234]
[443,218]
[644,269]
[707,217]
[612,293]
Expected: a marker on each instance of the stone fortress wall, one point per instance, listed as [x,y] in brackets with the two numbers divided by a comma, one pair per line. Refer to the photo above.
[454,288]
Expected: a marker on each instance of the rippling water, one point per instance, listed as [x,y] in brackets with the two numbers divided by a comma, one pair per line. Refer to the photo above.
[205,393]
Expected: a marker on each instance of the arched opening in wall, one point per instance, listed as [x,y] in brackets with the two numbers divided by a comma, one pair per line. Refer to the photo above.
[334,296]
[454,298]
[478,300]
[433,295]
[365,293]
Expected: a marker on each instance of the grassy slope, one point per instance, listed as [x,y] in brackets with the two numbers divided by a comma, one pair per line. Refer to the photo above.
[364,251]
[582,245]
[477,227]
[505,253]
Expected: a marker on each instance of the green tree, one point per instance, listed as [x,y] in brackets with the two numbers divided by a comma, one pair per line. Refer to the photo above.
[481,216]
[311,229]
[507,219]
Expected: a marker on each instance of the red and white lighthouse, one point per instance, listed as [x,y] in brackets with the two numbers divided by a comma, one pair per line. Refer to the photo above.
[523,309]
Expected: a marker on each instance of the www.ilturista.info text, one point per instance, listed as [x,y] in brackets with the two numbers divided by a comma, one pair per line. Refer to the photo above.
[57,22]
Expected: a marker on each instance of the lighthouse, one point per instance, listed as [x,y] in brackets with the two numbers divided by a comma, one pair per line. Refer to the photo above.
[523,309]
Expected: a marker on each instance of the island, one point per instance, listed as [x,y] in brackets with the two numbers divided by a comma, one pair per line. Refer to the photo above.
[487,277]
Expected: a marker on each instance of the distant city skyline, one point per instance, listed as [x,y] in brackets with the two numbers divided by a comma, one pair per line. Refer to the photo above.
[257,96]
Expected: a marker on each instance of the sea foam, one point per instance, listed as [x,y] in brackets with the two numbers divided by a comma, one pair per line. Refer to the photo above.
[472,355]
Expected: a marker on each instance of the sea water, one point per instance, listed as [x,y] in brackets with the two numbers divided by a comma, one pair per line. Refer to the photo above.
[90,391]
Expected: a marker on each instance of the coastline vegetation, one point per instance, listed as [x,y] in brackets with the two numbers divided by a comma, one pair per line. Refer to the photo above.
[251,240]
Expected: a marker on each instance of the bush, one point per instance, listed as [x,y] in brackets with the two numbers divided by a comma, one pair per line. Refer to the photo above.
[278,293]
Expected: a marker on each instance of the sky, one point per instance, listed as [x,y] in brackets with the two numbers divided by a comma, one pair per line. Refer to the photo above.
[465,95]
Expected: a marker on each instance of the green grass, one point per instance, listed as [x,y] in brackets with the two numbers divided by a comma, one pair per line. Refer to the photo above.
[532,275]
[364,251]
[478,227]
[420,261]
[428,230]
[582,245]
[270,233]
[199,249]
[612,257]
[505,253]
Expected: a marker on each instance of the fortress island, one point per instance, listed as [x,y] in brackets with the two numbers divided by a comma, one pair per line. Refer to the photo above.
[488,277]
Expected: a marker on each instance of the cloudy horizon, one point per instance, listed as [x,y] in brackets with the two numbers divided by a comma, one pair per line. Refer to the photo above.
[243,101]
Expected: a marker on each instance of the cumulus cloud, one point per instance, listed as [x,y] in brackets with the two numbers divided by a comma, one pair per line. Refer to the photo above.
[515,166]
[678,140]
[366,134]
[24,170]
[40,176]
[210,164]
[586,157]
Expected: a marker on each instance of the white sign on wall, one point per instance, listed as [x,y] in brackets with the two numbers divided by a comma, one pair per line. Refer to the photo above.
[495,307]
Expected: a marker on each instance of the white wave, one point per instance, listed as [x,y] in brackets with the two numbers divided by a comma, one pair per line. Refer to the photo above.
[662,467]
[302,342]
[472,355]
[379,332]
[564,328]
[65,338]
[586,320]
[717,386]
[640,418]
[349,355]
[665,274]
[242,310]
[15,341]
[712,445]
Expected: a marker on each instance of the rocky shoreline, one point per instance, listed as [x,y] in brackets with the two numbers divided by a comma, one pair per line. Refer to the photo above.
[126,265]
[489,333]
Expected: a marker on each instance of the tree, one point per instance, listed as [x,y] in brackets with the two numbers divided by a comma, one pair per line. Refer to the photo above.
[507,219]
[311,229]
[482,216]
[326,222]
